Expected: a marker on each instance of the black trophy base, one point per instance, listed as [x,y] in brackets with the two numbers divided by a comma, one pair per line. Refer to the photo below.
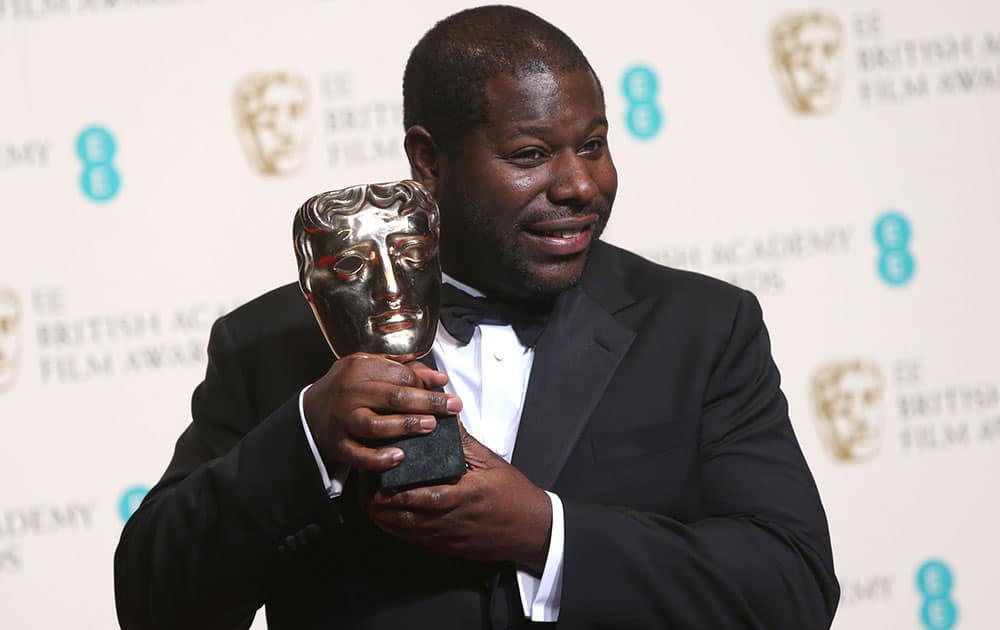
[431,459]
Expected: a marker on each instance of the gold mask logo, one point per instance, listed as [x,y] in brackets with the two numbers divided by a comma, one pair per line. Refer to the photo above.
[848,399]
[272,120]
[10,343]
[807,49]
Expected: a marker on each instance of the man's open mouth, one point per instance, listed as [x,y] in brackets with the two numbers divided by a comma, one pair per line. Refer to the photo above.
[563,237]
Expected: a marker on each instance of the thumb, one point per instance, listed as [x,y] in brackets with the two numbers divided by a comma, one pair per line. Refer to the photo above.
[476,455]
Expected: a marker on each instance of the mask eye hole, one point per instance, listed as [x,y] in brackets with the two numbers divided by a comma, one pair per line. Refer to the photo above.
[414,254]
[348,266]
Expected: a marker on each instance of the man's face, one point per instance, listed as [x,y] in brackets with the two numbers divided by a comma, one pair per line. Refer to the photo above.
[10,319]
[523,197]
[376,283]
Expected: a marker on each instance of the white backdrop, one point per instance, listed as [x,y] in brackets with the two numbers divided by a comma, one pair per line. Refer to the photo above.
[136,206]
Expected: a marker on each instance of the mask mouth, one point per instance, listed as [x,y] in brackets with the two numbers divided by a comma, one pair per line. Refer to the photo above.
[395,320]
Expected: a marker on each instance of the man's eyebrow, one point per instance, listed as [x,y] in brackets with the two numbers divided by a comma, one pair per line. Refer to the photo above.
[597,121]
[527,131]
[538,130]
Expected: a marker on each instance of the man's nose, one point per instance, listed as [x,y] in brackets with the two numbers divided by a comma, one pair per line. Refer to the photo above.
[572,180]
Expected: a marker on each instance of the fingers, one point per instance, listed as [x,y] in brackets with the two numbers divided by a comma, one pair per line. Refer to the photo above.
[390,398]
[366,397]
[366,424]
[420,400]
[361,367]
[365,458]
[413,513]
[429,499]
[431,379]
[412,374]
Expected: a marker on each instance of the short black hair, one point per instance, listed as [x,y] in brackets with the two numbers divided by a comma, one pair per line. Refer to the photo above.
[444,85]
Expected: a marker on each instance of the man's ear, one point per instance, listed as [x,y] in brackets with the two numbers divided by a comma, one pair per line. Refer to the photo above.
[424,157]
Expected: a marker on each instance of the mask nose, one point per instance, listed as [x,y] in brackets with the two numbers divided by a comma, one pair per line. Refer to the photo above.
[387,285]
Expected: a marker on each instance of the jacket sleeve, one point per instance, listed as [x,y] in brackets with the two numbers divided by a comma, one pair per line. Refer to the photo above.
[760,559]
[209,538]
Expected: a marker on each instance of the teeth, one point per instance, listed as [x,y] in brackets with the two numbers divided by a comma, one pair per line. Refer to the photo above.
[567,233]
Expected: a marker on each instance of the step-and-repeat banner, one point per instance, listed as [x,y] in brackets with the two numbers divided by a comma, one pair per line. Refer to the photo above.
[839,159]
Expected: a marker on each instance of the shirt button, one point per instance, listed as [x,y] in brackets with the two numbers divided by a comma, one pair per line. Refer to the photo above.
[498,356]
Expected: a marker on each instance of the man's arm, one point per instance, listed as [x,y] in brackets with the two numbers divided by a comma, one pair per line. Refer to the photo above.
[201,549]
[242,492]
[761,560]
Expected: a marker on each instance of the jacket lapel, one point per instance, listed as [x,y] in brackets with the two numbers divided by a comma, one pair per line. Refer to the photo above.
[574,362]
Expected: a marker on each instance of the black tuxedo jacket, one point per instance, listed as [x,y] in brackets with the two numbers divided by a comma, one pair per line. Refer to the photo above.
[653,410]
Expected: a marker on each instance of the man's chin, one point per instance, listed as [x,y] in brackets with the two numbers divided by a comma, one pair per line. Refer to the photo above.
[546,282]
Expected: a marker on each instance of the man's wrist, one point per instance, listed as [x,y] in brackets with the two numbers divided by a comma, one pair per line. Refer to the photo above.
[333,477]
[541,595]
[310,413]
[539,527]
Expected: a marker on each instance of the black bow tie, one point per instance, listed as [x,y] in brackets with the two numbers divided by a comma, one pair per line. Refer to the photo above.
[461,313]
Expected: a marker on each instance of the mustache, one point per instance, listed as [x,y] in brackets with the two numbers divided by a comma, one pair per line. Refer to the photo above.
[602,210]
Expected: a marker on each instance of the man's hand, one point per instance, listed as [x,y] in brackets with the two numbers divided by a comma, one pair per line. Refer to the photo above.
[367,397]
[493,513]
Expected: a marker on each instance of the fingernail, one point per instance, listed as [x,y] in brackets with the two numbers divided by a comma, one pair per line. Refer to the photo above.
[454,405]
[428,424]
[397,456]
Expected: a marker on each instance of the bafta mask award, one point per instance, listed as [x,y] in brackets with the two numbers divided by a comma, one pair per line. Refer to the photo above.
[369,268]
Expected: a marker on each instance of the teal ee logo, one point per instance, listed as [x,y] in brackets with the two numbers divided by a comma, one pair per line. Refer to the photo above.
[130,501]
[934,583]
[643,117]
[892,235]
[95,146]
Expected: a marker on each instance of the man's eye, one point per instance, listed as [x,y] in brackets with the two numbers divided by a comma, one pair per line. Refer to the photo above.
[592,146]
[528,156]
[349,265]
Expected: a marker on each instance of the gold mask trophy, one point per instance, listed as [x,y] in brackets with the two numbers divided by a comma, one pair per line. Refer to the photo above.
[369,268]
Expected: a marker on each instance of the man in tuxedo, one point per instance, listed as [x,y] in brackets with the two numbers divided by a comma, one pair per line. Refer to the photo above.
[631,467]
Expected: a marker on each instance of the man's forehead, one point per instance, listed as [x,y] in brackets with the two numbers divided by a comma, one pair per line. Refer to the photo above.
[530,99]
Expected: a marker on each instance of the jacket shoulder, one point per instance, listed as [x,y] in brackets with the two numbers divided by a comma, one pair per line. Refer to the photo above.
[643,278]
[281,309]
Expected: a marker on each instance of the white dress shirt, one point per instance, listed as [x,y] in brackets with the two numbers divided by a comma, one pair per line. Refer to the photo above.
[491,413]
